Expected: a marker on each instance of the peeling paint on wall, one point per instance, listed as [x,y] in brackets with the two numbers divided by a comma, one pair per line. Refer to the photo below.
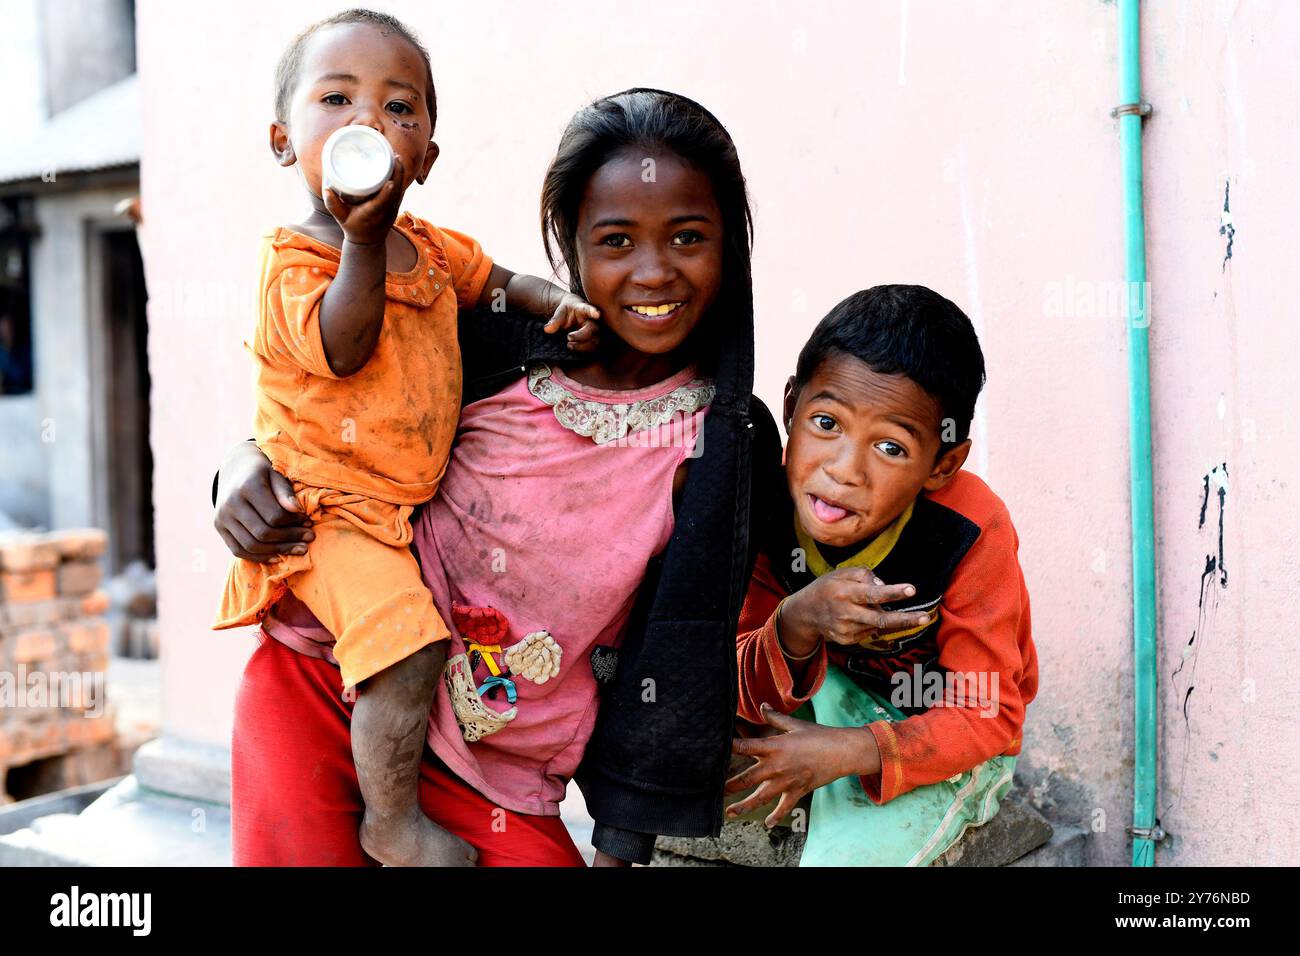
[1225,225]
[1214,578]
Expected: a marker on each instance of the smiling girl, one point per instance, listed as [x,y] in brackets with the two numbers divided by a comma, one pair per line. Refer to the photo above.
[589,542]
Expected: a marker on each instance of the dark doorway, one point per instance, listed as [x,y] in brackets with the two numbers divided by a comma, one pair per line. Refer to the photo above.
[16,225]
[128,457]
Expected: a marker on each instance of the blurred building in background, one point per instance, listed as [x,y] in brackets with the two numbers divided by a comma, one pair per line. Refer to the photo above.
[74,372]
[75,459]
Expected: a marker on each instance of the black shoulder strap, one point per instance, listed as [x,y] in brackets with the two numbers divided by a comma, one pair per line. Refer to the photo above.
[496,347]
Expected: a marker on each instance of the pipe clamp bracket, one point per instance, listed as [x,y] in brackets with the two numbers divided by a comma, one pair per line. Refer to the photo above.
[1132,109]
[1155,833]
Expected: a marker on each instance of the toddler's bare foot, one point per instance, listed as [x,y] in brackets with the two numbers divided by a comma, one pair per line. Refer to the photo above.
[414,840]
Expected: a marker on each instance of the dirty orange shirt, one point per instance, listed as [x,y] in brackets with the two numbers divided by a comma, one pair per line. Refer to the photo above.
[385,432]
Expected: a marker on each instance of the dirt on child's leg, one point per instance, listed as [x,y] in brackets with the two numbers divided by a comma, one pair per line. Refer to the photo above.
[389,726]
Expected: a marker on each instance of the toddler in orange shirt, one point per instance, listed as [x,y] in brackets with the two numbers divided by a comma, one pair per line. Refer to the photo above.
[358,396]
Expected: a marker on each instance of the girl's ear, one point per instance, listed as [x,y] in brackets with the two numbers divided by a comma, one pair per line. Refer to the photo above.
[281,147]
[949,464]
[430,157]
[787,409]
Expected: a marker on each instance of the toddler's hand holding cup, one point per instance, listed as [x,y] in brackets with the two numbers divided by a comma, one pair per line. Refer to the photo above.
[360,182]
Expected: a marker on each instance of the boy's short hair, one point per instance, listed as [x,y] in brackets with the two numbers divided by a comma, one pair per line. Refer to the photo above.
[906,330]
[286,71]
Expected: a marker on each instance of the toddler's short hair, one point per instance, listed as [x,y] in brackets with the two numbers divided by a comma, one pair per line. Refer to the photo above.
[906,330]
[286,71]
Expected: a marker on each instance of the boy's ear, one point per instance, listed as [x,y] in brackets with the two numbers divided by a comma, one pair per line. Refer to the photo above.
[281,147]
[430,157]
[787,405]
[949,464]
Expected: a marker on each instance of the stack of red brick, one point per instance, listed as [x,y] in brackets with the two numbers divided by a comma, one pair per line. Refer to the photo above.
[56,725]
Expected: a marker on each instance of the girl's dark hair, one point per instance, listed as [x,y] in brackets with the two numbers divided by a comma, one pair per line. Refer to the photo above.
[652,121]
[906,330]
[286,71]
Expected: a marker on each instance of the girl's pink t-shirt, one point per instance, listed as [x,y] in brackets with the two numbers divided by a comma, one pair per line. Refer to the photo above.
[556,497]
[549,516]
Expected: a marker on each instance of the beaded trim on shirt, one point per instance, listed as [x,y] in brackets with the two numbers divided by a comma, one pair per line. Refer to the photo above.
[604,422]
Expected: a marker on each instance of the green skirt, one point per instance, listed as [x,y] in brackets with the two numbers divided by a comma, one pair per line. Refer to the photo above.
[845,828]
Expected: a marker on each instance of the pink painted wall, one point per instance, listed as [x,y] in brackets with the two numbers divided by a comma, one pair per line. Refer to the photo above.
[965,146]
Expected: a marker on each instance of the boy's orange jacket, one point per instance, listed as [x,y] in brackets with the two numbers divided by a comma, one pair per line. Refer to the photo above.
[958,547]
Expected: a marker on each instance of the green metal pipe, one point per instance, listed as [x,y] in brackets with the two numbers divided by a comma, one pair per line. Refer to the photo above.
[1139,405]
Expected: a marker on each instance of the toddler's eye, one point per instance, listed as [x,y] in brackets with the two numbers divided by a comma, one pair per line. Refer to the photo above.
[399,106]
[892,448]
[334,99]
[618,240]
[824,422]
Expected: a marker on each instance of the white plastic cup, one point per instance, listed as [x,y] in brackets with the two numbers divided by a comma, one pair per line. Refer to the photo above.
[355,162]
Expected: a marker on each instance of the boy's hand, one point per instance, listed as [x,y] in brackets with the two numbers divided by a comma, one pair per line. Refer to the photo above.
[369,222]
[575,312]
[803,757]
[843,606]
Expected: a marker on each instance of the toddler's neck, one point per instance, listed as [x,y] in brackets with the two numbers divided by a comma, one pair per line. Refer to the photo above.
[322,227]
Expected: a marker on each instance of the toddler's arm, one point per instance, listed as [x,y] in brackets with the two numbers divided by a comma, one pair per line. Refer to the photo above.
[352,309]
[563,309]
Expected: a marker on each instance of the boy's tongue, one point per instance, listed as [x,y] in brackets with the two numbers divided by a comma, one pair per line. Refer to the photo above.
[826,511]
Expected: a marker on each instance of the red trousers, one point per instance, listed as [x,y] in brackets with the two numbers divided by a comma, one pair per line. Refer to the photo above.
[295,800]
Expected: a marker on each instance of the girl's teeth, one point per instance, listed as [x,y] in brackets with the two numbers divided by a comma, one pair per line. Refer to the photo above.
[654,309]
[827,512]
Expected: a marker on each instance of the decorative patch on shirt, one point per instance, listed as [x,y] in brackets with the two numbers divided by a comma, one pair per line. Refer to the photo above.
[536,657]
[476,719]
[479,625]
[604,422]
[604,662]
[481,628]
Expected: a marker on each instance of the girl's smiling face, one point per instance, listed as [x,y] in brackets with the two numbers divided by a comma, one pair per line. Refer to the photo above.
[354,73]
[649,244]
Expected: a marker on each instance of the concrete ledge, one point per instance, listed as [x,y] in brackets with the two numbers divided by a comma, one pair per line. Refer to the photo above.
[664,858]
[20,850]
[741,843]
[183,768]
[1013,837]
[1015,830]
[17,816]
[1067,847]
[127,826]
